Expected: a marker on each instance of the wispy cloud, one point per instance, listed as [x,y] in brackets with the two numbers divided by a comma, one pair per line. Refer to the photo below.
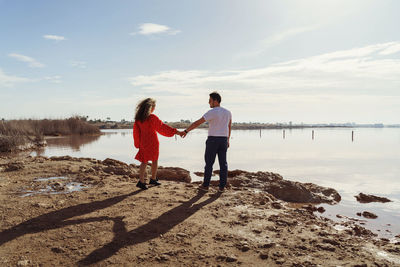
[31,61]
[78,64]
[53,79]
[155,29]
[391,49]
[54,37]
[10,80]
[275,40]
[355,71]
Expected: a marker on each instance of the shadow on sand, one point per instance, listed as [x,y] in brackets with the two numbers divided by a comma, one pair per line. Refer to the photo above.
[154,228]
[122,238]
[59,218]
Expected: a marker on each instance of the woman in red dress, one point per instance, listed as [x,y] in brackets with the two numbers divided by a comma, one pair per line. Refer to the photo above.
[145,130]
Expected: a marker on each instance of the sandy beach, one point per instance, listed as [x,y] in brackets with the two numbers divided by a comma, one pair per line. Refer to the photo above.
[65,211]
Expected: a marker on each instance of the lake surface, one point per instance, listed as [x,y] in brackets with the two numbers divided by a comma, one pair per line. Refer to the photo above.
[370,163]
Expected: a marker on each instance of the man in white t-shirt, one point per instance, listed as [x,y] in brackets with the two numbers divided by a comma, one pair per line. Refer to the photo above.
[219,120]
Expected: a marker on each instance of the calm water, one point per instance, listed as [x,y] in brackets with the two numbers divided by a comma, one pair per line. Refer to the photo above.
[369,164]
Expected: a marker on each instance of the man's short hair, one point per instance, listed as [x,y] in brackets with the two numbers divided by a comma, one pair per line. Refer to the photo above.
[216,96]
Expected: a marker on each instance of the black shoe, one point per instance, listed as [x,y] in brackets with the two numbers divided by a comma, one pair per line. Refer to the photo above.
[154,182]
[141,185]
[203,188]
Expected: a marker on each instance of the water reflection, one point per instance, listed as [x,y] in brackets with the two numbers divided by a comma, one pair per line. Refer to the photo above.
[73,142]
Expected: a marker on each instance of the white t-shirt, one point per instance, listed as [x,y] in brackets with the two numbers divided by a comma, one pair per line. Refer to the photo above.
[218,119]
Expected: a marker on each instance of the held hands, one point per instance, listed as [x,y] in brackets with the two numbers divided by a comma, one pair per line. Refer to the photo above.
[181,133]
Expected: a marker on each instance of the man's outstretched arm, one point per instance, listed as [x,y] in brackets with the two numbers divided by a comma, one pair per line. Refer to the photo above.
[194,125]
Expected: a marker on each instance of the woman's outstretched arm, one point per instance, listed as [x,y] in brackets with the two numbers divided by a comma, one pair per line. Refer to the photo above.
[163,128]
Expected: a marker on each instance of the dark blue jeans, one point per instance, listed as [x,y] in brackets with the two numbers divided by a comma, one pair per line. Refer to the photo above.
[216,145]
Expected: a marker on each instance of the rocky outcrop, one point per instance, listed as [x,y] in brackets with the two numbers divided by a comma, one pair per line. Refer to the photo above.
[364,198]
[173,174]
[283,189]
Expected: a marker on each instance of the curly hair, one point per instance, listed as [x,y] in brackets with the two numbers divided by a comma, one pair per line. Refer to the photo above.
[143,109]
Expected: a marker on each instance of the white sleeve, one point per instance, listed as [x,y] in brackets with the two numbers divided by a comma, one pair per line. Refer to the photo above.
[208,115]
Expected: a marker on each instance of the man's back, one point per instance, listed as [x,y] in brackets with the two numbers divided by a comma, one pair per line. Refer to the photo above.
[218,119]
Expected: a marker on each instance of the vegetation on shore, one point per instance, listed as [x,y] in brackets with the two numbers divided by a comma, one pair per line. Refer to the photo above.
[15,134]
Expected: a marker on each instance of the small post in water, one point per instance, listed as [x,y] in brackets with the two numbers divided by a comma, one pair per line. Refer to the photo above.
[352,136]
[283,134]
[312,134]
[260,132]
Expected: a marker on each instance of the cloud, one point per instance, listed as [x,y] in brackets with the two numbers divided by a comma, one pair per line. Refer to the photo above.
[54,37]
[274,40]
[32,62]
[391,49]
[78,64]
[53,79]
[10,80]
[359,68]
[153,29]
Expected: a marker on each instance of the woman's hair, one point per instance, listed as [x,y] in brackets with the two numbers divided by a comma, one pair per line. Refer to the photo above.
[143,109]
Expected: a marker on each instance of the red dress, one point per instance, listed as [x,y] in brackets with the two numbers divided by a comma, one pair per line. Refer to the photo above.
[145,137]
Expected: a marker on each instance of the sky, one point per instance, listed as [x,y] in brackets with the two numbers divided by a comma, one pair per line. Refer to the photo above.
[305,61]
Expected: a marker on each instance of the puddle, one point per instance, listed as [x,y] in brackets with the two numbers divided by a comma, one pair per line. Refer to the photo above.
[53,185]
[50,179]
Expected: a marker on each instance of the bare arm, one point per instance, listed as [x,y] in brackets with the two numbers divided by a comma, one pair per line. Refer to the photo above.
[194,125]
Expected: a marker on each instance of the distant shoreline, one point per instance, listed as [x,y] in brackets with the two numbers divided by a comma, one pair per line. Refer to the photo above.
[245,126]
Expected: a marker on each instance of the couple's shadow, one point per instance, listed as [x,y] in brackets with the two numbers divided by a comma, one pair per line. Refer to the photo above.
[122,237]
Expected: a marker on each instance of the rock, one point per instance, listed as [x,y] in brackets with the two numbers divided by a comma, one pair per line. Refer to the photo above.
[302,193]
[276,205]
[263,256]
[14,166]
[267,245]
[231,258]
[310,207]
[61,158]
[23,263]
[359,214]
[114,162]
[243,246]
[181,235]
[330,241]
[364,198]
[118,170]
[369,215]
[57,186]
[321,209]
[231,174]
[43,205]
[257,231]
[174,174]
[57,250]
[326,247]
[360,231]
[162,257]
